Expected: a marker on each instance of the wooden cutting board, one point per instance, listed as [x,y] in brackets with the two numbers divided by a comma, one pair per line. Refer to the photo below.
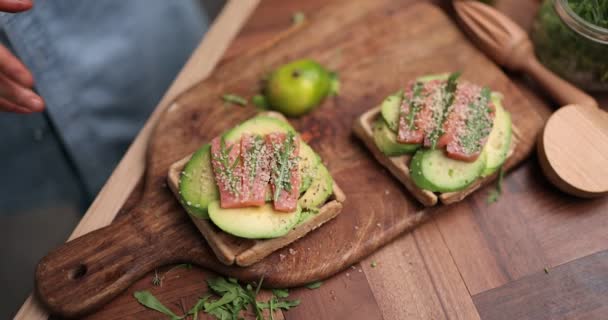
[376,46]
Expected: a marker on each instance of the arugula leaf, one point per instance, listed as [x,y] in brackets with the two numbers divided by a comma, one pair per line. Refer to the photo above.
[232,299]
[252,298]
[280,293]
[276,304]
[493,195]
[148,300]
[198,307]
[287,304]
[314,285]
[234,99]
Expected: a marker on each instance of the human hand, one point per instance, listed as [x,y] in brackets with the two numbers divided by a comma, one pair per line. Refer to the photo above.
[16,81]
[14,6]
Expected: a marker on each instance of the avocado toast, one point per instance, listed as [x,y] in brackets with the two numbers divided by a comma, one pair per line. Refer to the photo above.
[254,189]
[442,137]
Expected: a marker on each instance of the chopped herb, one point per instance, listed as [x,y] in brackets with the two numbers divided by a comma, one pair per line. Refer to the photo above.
[478,123]
[147,299]
[282,165]
[374,264]
[495,194]
[234,99]
[415,105]
[260,101]
[314,285]
[227,169]
[448,98]
[254,158]
[298,18]
[546,270]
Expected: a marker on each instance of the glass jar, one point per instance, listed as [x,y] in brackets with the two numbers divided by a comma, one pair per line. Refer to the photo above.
[572,47]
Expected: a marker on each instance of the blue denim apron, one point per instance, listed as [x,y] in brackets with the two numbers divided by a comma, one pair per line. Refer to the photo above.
[101,67]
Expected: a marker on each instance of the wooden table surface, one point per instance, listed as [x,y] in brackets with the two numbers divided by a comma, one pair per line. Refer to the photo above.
[544,258]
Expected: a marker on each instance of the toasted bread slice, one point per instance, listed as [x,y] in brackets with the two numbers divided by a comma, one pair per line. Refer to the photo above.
[399,165]
[230,249]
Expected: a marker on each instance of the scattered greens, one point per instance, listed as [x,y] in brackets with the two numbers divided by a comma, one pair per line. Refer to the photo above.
[495,194]
[314,285]
[546,270]
[574,57]
[234,99]
[226,301]
[148,300]
[374,264]
[280,293]
[298,18]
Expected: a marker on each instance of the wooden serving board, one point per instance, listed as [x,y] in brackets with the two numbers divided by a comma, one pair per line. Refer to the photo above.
[376,46]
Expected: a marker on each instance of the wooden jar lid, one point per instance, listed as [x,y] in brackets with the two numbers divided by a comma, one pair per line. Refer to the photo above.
[573,150]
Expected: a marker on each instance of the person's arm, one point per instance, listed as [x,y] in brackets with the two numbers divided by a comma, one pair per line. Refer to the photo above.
[16,81]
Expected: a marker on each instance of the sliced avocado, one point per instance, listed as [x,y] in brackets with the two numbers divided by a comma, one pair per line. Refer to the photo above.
[254,222]
[431,77]
[391,105]
[390,110]
[320,189]
[308,163]
[386,140]
[433,170]
[499,140]
[261,125]
[197,186]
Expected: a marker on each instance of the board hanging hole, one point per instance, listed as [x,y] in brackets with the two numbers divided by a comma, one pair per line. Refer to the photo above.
[78,272]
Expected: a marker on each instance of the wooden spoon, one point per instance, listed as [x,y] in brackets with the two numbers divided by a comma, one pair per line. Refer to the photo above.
[573,147]
[509,46]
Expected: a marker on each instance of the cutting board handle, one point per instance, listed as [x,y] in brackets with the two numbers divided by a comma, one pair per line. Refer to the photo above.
[89,271]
